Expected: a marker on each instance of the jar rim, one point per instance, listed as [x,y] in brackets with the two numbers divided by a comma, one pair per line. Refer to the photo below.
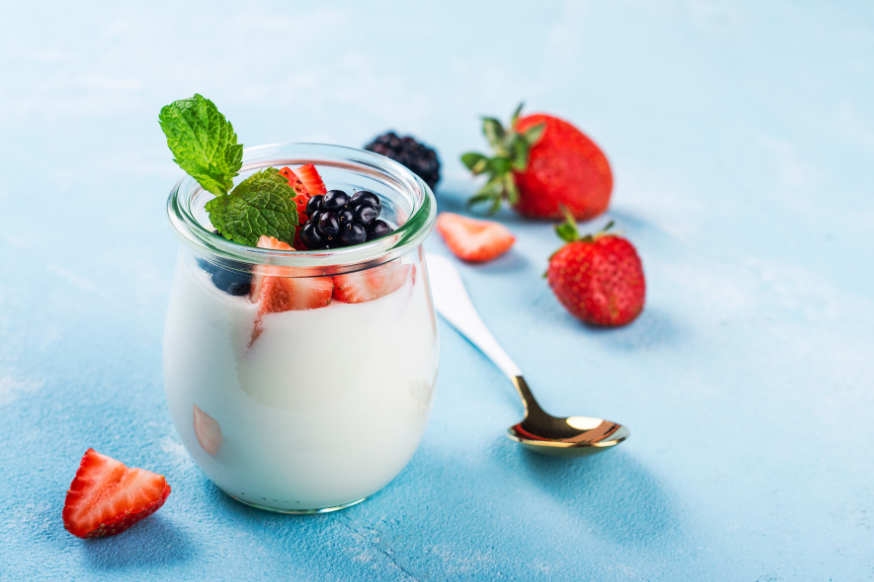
[193,234]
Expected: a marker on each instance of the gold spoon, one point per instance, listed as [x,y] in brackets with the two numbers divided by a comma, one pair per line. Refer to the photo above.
[574,436]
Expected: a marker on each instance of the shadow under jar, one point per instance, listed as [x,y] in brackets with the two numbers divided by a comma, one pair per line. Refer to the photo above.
[313,410]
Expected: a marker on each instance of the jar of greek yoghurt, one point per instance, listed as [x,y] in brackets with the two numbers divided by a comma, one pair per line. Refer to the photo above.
[302,381]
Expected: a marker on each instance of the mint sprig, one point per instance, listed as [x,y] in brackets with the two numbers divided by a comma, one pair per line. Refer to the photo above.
[262,204]
[512,149]
[203,142]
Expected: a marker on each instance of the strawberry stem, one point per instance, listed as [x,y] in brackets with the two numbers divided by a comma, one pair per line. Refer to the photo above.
[511,153]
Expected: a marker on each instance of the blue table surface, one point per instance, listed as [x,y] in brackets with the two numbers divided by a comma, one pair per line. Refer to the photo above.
[742,139]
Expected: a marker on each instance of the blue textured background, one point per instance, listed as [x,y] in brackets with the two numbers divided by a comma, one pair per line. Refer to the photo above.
[742,140]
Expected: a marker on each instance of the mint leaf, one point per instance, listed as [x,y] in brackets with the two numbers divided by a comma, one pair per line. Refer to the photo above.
[203,142]
[261,204]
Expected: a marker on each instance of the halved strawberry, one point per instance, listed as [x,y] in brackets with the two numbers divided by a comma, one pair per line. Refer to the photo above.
[275,289]
[372,283]
[474,240]
[208,431]
[311,179]
[106,497]
[294,181]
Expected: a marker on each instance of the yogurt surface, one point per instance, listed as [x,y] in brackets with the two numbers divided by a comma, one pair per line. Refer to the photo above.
[324,408]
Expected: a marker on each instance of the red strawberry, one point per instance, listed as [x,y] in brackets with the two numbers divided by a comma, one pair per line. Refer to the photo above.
[275,289]
[541,164]
[371,283]
[208,431]
[474,240]
[303,196]
[311,179]
[599,278]
[106,498]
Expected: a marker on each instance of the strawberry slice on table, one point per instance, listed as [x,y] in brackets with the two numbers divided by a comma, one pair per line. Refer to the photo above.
[372,283]
[311,179]
[275,290]
[106,497]
[474,240]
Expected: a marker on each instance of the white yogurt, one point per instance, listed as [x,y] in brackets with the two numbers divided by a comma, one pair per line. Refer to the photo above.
[324,409]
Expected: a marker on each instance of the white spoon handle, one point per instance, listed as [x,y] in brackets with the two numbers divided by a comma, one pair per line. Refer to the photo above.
[455,306]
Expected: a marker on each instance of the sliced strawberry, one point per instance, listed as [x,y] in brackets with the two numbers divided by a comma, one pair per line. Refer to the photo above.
[106,497]
[280,294]
[372,283]
[311,179]
[276,290]
[294,181]
[474,240]
[208,431]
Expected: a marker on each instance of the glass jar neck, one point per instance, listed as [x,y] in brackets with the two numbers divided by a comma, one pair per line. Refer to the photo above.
[406,196]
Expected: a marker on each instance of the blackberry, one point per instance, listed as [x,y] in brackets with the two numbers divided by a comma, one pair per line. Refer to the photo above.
[416,156]
[339,221]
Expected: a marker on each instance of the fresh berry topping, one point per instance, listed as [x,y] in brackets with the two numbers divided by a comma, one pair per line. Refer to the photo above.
[474,240]
[366,214]
[294,181]
[329,224]
[106,497]
[231,281]
[540,164]
[275,290]
[310,236]
[372,283]
[207,431]
[335,200]
[314,204]
[314,217]
[346,216]
[598,278]
[311,179]
[280,294]
[365,197]
[353,234]
[418,157]
[378,229]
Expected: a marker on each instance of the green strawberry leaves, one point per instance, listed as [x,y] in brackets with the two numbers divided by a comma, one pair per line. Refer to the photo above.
[262,204]
[567,230]
[203,142]
[512,151]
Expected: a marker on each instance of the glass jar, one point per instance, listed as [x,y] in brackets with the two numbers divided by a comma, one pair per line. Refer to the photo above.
[307,410]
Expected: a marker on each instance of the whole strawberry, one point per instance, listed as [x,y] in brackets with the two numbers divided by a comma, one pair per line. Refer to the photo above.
[542,163]
[598,278]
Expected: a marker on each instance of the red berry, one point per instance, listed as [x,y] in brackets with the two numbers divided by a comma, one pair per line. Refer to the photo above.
[106,497]
[474,240]
[372,283]
[275,289]
[541,164]
[565,168]
[599,279]
[311,180]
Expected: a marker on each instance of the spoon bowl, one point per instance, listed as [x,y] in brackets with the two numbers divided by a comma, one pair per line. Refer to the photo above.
[573,436]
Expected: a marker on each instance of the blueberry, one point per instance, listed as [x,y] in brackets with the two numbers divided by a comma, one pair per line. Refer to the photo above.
[365,197]
[207,266]
[378,229]
[315,203]
[314,217]
[353,234]
[232,282]
[310,236]
[366,214]
[334,200]
[345,216]
[329,224]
